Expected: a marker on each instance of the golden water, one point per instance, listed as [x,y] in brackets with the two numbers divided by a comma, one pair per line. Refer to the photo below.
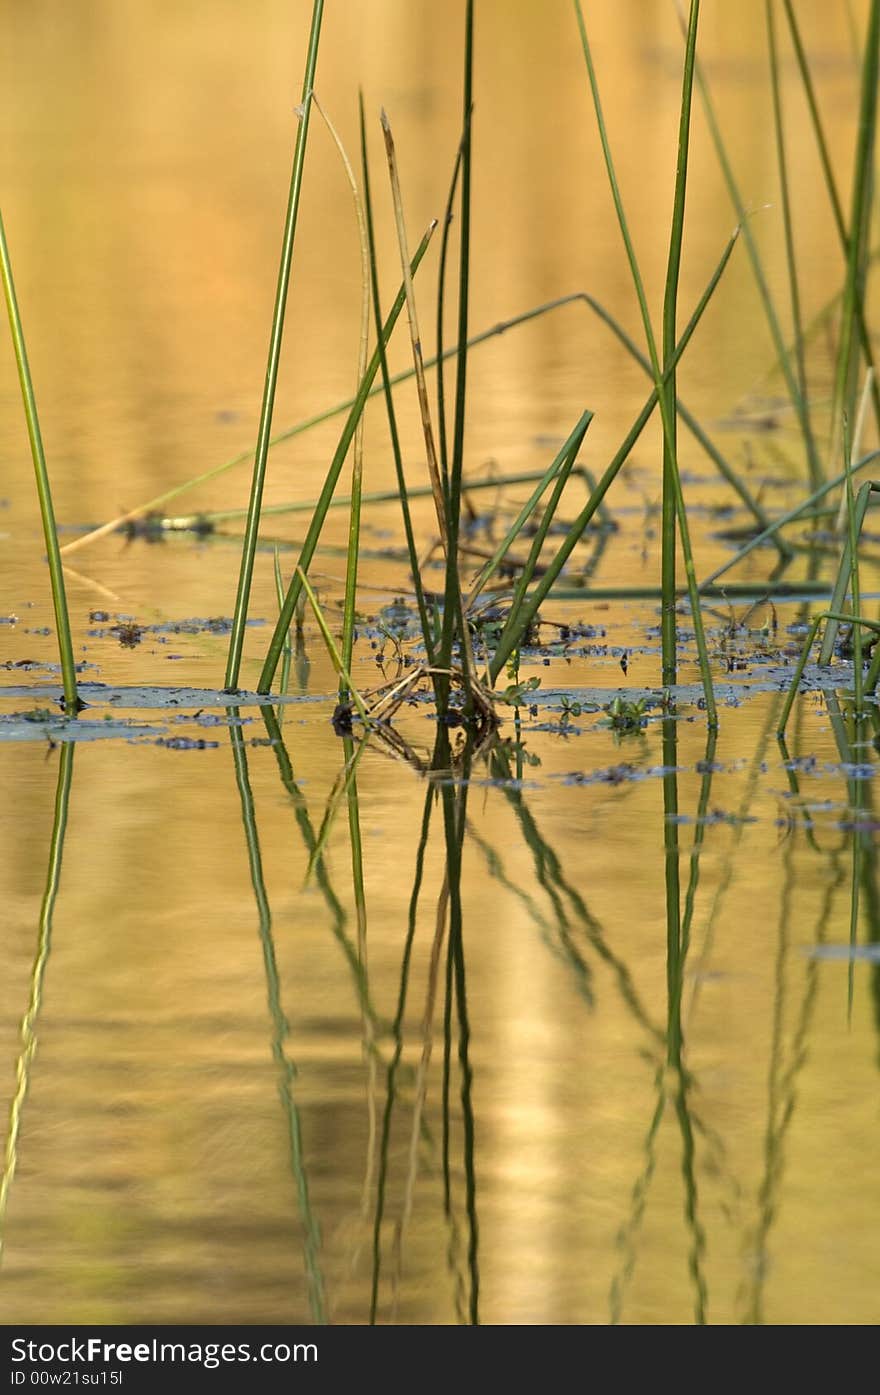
[169,1166]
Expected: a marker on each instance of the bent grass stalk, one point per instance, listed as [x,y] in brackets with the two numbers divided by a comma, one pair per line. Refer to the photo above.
[723,467]
[673,500]
[320,513]
[831,186]
[517,624]
[357,472]
[816,473]
[168,495]
[249,549]
[72,702]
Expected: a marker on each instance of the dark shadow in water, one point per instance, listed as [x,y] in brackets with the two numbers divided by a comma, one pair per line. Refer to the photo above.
[280,1032]
[38,978]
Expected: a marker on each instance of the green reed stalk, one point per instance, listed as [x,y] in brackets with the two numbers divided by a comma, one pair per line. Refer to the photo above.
[563,462]
[314,532]
[402,492]
[855,587]
[287,652]
[813,461]
[841,585]
[516,626]
[573,445]
[673,507]
[673,498]
[452,608]
[787,222]
[335,656]
[723,467]
[357,470]
[249,549]
[72,702]
[860,218]
[831,186]
[441,310]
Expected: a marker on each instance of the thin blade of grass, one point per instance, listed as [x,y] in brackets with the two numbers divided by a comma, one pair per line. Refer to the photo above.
[564,460]
[529,609]
[159,500]
[845,386]
[357,470]
[287,652]
[332,650]
[415,337]
[787,221]
[831,186]
[441,308]
[236,639]
[673,501]
[841,585]
[314,532]
[72,702]
[402,491]
[723,467]
[814,464]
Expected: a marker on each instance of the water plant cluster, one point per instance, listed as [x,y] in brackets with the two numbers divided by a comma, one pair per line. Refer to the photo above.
[462,644]
[462,658]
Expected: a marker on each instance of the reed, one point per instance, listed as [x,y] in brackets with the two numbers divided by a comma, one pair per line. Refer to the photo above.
[674,511]
[317,522]
[249,549]
[72,704]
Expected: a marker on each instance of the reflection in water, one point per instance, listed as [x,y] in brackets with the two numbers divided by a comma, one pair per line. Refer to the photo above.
[280,1027]
[38,977]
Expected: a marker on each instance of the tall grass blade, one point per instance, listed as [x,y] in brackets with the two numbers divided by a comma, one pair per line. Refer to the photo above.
[787,221]
[357,470]
[814,465]
[317,522]
[72,703]
[517,625]
[441,310]
[332,650]
[673,506]
[453,610]
[860,219]
[236,639]
[831,186]
[724,468]
[402,492]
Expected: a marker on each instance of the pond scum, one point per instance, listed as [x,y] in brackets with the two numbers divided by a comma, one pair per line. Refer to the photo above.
[458,650]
